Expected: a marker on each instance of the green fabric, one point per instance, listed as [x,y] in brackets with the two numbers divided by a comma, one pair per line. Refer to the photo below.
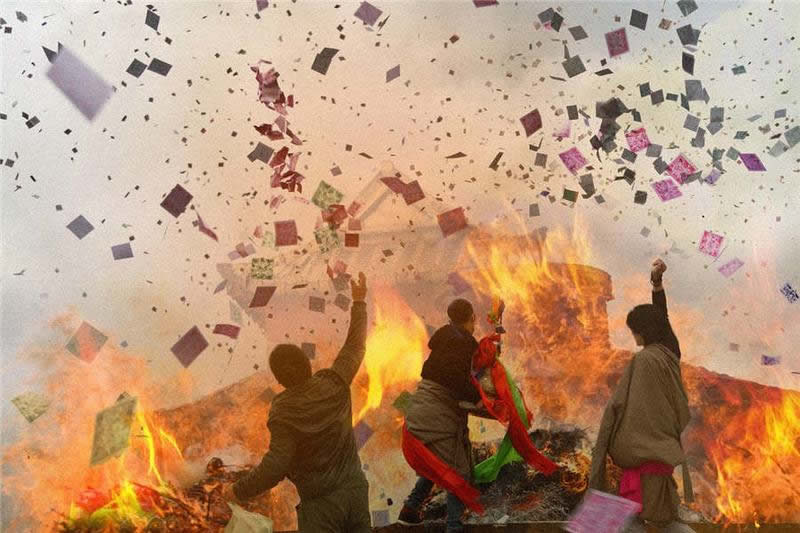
[486,471]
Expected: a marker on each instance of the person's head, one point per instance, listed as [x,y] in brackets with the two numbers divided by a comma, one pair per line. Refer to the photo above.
[290,365]
[648,324]
[461,314]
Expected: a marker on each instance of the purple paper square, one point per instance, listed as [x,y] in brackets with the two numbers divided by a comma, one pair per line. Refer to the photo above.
[532,122]
[617,42]
[730,267]
[752,162]
[711,244]
[176,201]
[317,304]
[601,512]
[713,176]
[189,346]
[768,360]
[368,13]
[262,296]
[413,193]
[362,433]
[285,233]
[392,73]
[342,302]
[80,227]
[681,168]
[572,159]
[666,189]
[310,349]
[637,140]
[122,251]
[79,83]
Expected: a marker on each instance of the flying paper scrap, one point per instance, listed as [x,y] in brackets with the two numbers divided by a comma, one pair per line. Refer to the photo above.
[730,267]
[31,405]
[79,83]
[112,429]
[711,243]
[601,513]
[189,346]
[86,342]
[326,195]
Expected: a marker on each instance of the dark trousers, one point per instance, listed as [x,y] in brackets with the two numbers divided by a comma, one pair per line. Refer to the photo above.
[455,507]
[342,511]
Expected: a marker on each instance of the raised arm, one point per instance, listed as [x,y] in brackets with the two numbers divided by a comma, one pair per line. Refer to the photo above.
[355,345]
[660,301]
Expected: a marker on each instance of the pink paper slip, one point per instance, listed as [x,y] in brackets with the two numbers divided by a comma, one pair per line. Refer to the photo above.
[601,512]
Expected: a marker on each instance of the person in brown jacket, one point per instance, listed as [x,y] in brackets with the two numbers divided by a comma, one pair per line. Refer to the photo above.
[311,435]
[642,423]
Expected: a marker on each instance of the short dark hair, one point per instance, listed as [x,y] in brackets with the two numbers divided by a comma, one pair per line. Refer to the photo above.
[650,322]
[459,311]
[289,364]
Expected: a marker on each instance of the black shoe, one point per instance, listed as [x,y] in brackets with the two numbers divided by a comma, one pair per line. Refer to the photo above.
[409,516]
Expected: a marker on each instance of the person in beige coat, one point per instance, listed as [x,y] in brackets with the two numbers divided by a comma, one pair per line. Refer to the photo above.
[642,423]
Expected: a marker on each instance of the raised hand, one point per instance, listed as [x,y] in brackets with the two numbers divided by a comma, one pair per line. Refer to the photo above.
[359,290]
[659,267]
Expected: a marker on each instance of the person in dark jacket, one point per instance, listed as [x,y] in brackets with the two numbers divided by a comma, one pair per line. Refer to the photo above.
[434,416]
[311,435]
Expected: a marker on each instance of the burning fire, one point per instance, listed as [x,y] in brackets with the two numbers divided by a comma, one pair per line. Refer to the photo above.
[757,459]
[130,502]
[395,349]
[557,348]
[556,312]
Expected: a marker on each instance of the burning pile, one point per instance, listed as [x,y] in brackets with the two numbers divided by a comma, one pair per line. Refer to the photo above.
[523,495]
[742,442]
[136,507]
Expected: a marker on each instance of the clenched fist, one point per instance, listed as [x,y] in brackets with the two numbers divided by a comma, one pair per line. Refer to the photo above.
[359,290]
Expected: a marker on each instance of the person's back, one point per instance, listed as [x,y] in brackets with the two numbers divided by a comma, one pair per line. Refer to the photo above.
[319,415]
[311,435]
[450,362]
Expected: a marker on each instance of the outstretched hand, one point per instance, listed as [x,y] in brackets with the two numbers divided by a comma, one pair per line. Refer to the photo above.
[359,290]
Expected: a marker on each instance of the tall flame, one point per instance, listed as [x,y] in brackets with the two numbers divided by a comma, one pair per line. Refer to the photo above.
[395,348]
[757,459]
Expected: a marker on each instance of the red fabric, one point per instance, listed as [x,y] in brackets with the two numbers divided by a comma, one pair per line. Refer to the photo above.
[429,466]
[91,500]
[503,409]
[487,352]
[630,486]
[517,429]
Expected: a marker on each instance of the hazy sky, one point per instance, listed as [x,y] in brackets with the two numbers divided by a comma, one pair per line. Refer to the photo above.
[157,131]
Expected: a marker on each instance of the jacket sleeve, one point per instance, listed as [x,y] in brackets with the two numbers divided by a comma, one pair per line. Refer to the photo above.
[614,409]
[469,392]
[274,465]
[352,353]
[660,301]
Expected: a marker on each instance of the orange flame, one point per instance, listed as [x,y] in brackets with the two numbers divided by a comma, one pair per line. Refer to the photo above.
[395,349]
[555,312]
[757,459]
